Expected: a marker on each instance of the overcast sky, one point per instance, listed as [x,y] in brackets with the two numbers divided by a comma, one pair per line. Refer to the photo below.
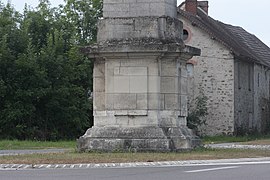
[252,15]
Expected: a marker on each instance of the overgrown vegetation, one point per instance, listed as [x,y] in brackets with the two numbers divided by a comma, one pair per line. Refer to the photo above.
[198,113]
[44,79]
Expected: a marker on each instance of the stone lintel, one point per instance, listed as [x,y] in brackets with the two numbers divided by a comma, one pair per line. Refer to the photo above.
[170,51]
[163,28]
[191,50]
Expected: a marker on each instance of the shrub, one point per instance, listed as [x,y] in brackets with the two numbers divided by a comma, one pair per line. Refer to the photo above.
[197,115]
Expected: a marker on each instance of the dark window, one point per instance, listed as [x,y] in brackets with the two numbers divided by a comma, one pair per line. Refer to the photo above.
[185,34]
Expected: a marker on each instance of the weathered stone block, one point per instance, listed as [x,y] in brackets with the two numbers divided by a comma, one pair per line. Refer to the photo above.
[138,84]
[125,101]
[99,84]
[154,84]
[109,81]
[168,84]
[138,139]
[183,85]
[112,63]
[137,71]
[169,71]
[109,101]
[183,99]
[105,121]
[137,113]
[121,120]
[171,102]
[153,68]
[99,69]
[182,121]
[121,84]
[142,100]
[158,28]
[131,8]
[140,121]
[99,101]
[155,101]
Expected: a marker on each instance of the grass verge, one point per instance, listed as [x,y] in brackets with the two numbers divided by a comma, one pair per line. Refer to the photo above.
[15,144]
[21,145]
[73,157]
[230,139]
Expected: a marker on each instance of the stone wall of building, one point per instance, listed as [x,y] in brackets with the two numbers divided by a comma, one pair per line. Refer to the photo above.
[214,77]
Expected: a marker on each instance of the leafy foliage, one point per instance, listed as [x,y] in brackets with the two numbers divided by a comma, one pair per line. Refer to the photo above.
[197,115]
[44,79]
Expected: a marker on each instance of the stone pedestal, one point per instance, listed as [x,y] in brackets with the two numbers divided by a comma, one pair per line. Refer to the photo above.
[140,79]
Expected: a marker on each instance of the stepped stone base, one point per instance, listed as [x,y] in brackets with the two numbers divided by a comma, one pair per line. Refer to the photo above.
[155,139]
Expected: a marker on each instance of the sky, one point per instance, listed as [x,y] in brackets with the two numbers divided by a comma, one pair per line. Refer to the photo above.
[252,15]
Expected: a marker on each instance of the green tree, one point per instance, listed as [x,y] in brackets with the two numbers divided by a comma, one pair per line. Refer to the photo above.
[44,78]
[11,46]
[84,15]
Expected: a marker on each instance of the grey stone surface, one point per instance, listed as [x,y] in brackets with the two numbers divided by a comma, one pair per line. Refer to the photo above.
[138,139]
[138,8]
[136,98]
[238,91]
[165,29]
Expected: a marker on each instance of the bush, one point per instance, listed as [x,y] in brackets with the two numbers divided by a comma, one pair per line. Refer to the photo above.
[197,116]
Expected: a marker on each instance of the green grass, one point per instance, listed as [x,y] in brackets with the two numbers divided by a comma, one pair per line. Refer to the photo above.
[73,157]
[228,139]
[93,157]
[15,144]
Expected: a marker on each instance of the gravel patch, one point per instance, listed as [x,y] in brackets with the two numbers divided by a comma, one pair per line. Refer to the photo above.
[21,152]
[237,146]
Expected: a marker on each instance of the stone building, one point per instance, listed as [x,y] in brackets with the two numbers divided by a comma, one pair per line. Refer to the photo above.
[232,72]
[140,79]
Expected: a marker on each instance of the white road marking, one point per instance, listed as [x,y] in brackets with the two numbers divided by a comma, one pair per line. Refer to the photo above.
[212,169]
[230,163]
[8,169]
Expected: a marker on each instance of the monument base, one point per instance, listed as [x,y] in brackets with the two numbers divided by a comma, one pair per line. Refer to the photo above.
[153,139]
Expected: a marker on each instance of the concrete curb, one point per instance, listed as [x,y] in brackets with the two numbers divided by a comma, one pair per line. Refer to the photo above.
[136,164]
[133,165]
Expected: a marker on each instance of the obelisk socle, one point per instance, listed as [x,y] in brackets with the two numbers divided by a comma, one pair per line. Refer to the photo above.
[140,79]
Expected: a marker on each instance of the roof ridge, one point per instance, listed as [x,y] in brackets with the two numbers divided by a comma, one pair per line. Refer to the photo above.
[235,38]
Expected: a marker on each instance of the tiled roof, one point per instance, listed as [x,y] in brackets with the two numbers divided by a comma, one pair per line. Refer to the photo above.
[243,45]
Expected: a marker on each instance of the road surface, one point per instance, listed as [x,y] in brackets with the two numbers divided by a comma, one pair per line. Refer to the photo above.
[233,171]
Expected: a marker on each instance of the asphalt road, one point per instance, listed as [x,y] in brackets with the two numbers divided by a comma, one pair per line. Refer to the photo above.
[256,171]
